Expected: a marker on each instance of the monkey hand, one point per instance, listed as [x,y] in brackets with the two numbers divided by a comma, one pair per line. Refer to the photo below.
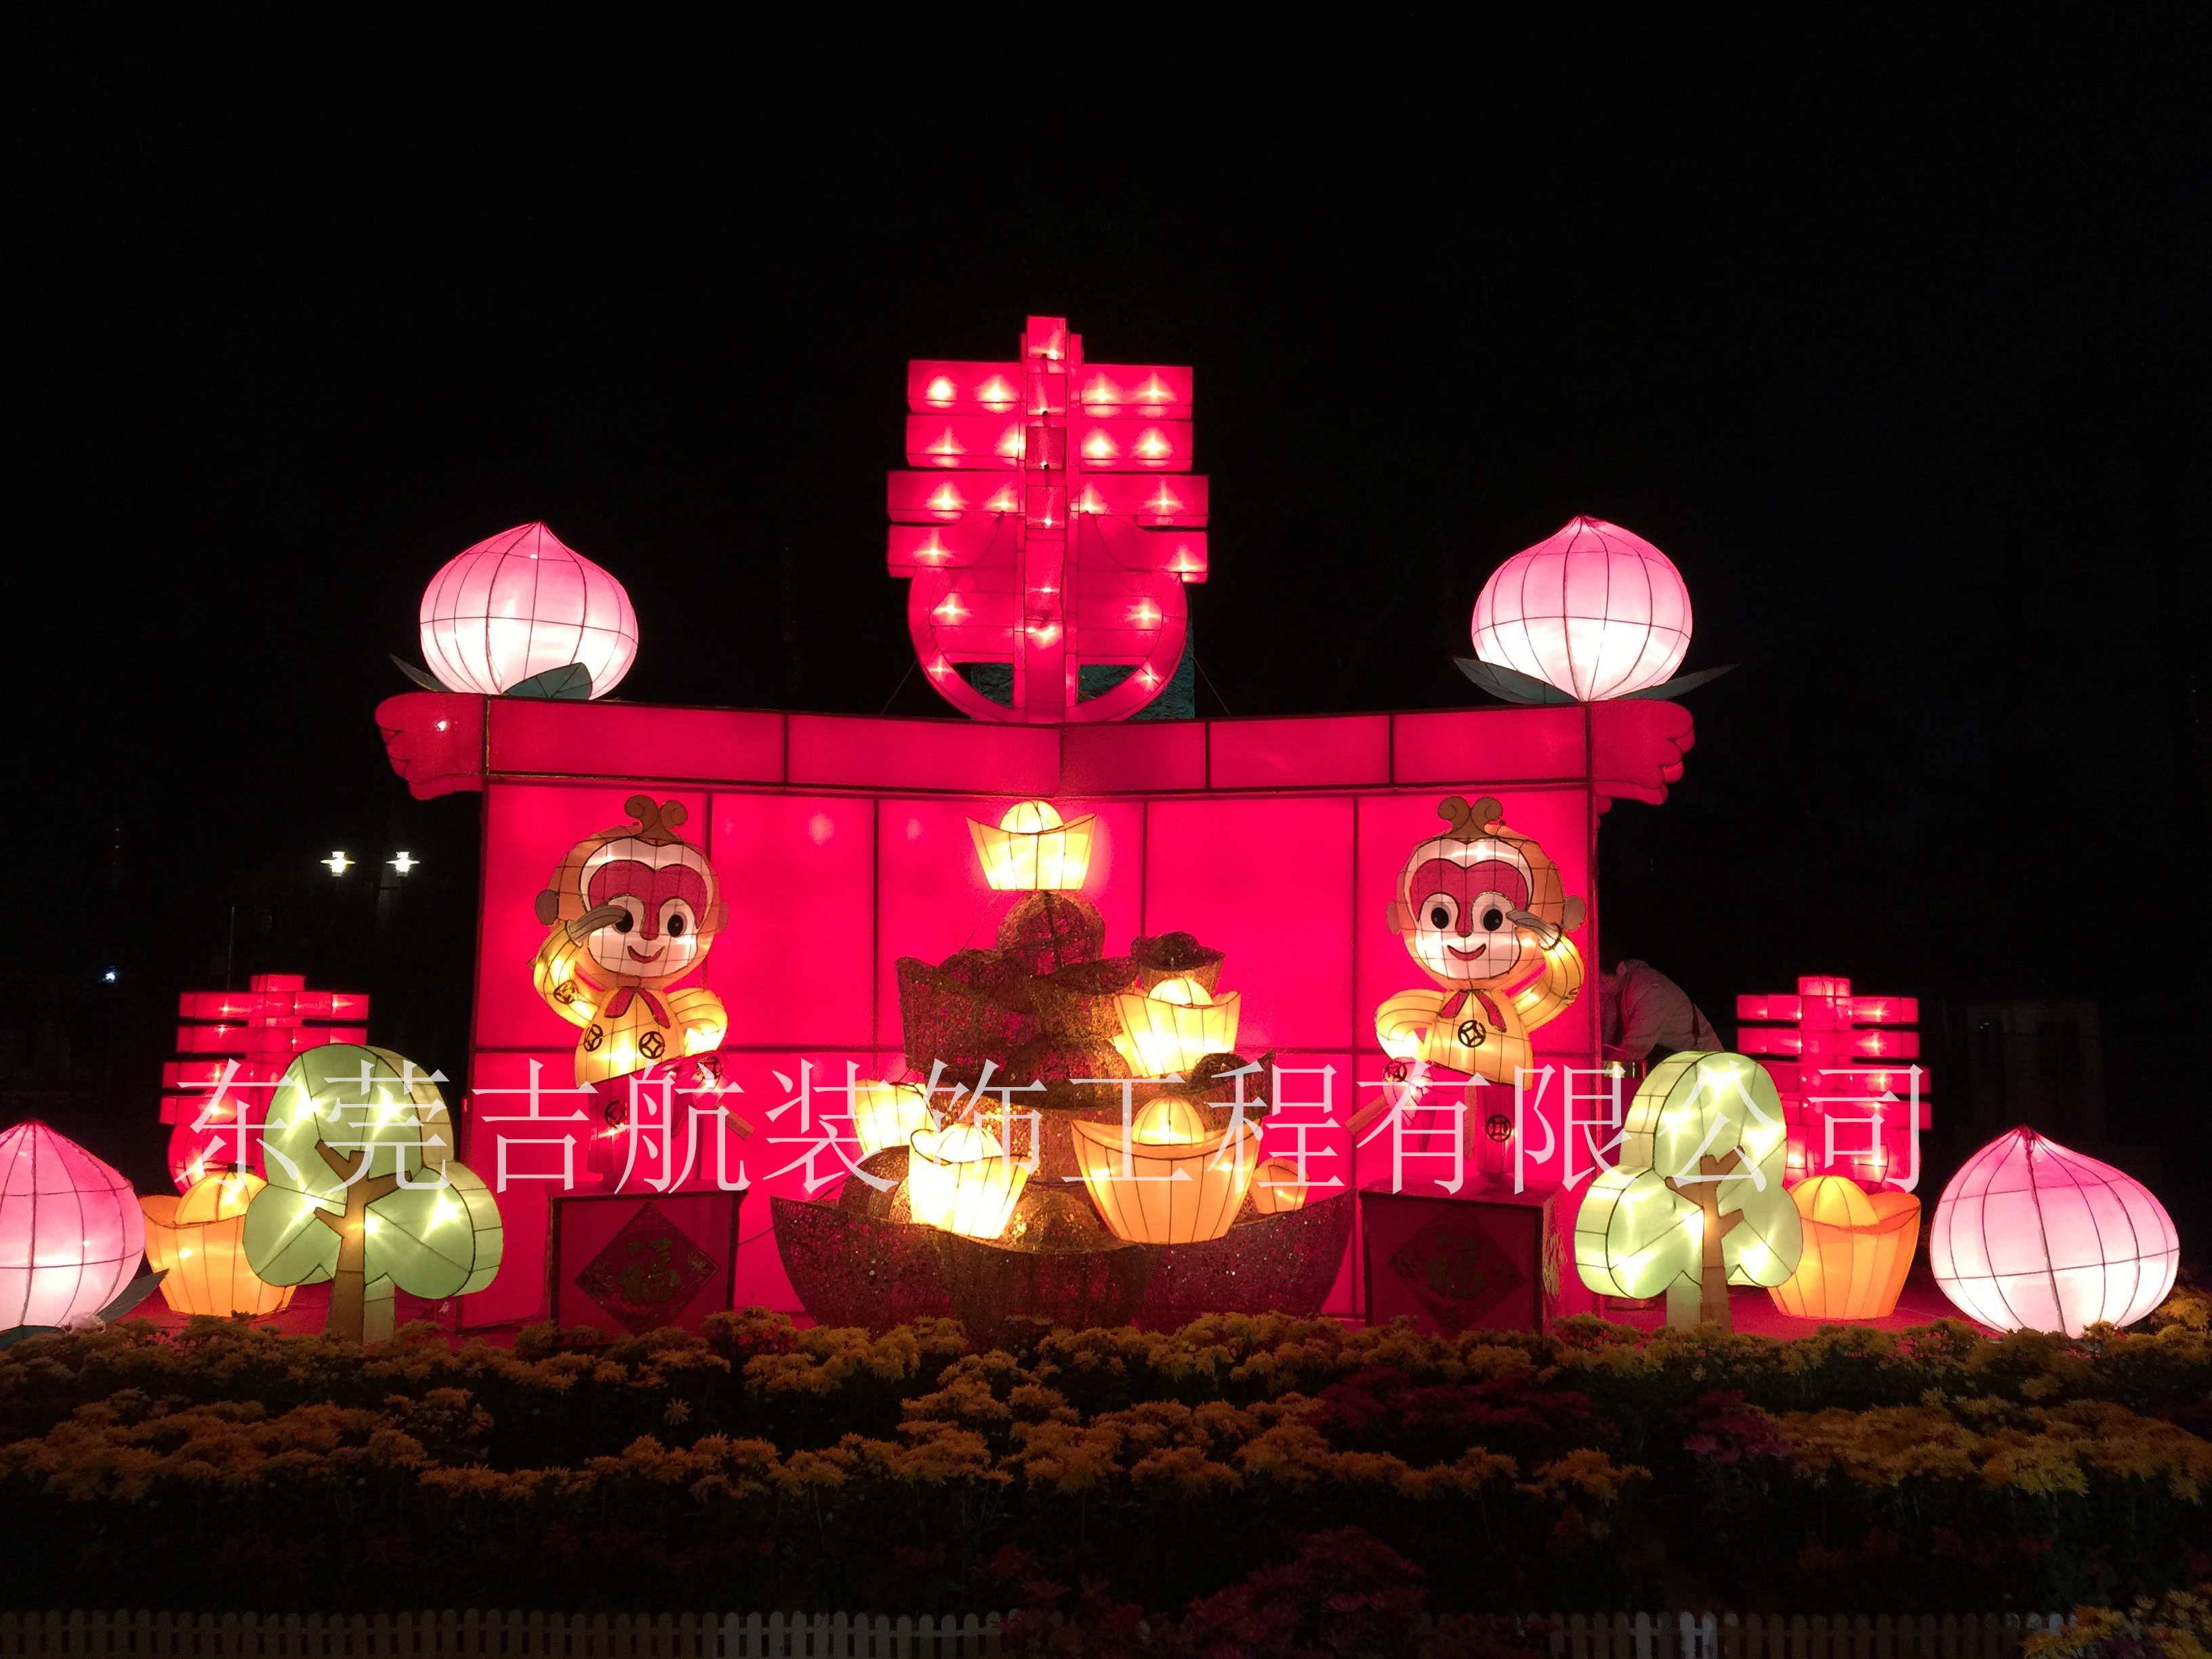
[592,920]
[1546,935]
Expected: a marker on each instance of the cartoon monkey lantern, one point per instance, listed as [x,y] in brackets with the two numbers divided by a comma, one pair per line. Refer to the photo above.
[1483,912]
[630,911]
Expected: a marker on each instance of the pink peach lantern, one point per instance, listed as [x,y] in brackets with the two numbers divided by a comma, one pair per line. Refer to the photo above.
[522,604]
[1594,611]
[71,1231]
[2030,1236]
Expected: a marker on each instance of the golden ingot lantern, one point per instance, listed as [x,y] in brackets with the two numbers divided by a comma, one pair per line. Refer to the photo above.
[886,1115]
[959,1179]
[1169,1180]
[1033,850]
[1277,1187]
[198,1240]
[1858,1248]
[1171,1028]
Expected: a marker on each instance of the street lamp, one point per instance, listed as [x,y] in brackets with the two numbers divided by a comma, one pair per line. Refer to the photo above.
[338,863]
[404,862]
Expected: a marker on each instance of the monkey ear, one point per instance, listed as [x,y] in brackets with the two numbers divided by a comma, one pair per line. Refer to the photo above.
[549,908]
[1401,917]
[1571,915]
[717,913]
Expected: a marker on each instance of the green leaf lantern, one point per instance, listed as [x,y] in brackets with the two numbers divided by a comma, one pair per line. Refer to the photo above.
[364,1190]
[1696,1203]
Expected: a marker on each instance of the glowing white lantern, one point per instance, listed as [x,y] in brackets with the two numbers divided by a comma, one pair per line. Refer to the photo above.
[519,604]
[1592,612]
[2030,1236]
[71,1231]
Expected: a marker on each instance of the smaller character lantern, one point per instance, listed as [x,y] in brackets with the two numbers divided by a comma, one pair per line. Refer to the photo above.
[1484,914]
[1033,850]
[1167,1178]
[198,1242]
[1858,1249]
[71,1230]
[630,911]
[2031,1236]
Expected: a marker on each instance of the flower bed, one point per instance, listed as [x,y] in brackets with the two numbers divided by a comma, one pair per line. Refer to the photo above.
[1108,1474]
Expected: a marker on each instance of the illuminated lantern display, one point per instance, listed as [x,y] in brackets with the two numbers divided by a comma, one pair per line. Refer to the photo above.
[960,1180]
[71,1230]
[519,605]
[198,1243]
[1277,1188]
[2030,1236]
[1170,1179]
[1032,850]
[1483,914]
[1696,1202]
[1176,1024]
[630,911]
[365,1192]
[252,1035]
[1858,1249]
[1850,1093]
[1049,525]
[887,1114]
[1592,611]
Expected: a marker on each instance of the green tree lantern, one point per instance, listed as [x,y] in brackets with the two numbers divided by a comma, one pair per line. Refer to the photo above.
[364,1190]
[1696,1202]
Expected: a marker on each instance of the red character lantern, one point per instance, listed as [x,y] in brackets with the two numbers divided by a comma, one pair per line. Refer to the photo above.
[1049,525]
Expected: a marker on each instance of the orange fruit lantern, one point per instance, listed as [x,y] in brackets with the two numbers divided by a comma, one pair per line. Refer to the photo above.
[198,1239]
[1858,1248]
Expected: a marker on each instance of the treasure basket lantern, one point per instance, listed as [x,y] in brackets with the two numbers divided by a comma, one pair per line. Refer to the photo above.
[1858,1249]
[960,1180]
[1176,1024]
[200,1239]
[1169,1180]
[1034,850]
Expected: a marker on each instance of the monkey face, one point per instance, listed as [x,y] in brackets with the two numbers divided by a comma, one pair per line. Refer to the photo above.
[663,905]
[1463,931]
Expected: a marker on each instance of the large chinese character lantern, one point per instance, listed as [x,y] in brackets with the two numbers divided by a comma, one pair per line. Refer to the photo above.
[1852,1109]
[2031,1236]
[1048,525]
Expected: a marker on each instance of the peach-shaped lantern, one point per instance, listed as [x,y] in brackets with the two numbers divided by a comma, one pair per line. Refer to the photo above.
[2030,1236]
[960,1180]
[886,1115]
[71,1230]
[1170,1179]
[198,1240]
[1858,1248]
[519,604]
[1592,612]
[1171,1028]
[1034,850]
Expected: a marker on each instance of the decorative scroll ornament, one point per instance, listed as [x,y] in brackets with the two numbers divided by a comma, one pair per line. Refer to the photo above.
[1049,525]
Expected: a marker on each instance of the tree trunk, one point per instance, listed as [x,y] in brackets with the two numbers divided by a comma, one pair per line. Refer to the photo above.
[1705,1301]
[353,1314]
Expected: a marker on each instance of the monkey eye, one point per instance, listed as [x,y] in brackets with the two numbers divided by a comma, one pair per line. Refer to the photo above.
[1492,920]
[676,924]
[1440,917]
[625,922]
[1442,911]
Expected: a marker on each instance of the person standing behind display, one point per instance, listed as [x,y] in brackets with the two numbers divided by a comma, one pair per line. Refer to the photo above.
[1647,1017]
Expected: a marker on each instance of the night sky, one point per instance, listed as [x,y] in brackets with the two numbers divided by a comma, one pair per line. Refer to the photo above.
[1893,336]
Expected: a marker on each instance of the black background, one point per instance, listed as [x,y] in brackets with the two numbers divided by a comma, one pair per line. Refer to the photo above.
[1893,334]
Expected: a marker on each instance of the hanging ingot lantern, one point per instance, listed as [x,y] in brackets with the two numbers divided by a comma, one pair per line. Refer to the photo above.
[1033,850]
[887,1114]
[1858,1249]
[198,1240]
[1171,1028]
[960,1180]
[1173,1180]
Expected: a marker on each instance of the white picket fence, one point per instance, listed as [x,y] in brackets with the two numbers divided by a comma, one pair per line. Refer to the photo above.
[520,1635]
